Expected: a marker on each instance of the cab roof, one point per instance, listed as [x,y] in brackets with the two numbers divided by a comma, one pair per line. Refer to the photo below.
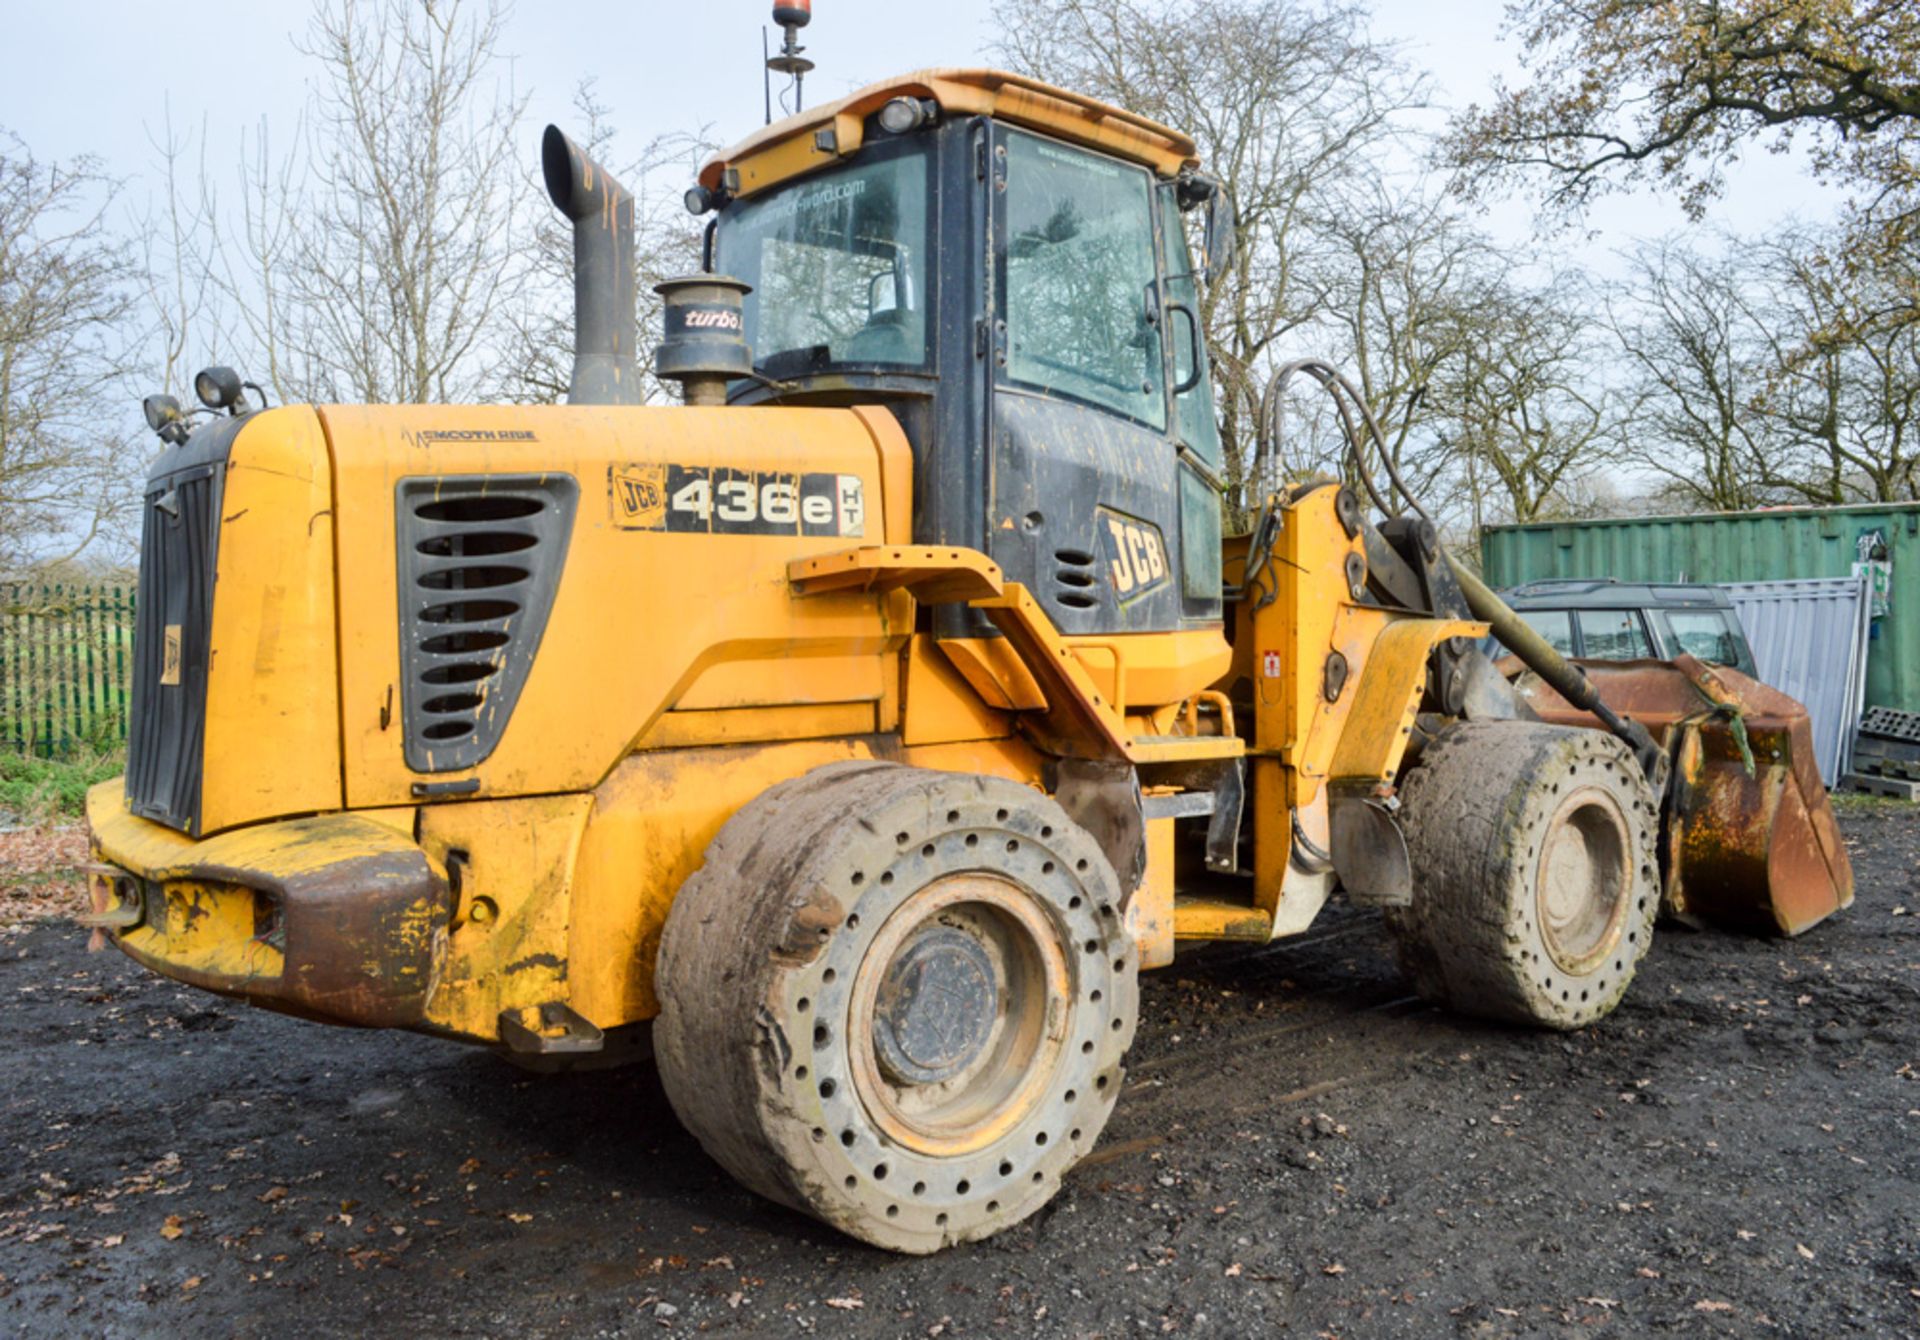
[825,134]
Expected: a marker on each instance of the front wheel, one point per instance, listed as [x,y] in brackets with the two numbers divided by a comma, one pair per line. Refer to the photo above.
[898,1000]
[1535,876]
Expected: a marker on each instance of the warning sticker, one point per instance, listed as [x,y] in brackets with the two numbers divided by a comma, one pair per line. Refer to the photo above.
[1270,664]
[720,500]
[170,655]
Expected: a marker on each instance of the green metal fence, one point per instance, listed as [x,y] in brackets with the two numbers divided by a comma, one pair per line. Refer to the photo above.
[66,660]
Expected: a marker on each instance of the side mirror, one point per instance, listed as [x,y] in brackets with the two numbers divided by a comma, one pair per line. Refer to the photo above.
[1222,225]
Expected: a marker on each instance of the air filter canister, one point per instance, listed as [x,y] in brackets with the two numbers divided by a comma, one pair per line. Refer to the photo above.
[704,341]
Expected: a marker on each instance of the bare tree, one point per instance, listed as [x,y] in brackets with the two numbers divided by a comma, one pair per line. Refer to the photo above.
[65,302]
[539,360]
[1287,100]
[376,262]
[1694,343]
[1533,421]
[179,292]
[1405,282]
[1844,385]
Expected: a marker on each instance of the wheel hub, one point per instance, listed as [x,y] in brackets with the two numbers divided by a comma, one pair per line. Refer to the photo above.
[936,1006]
[1585,879]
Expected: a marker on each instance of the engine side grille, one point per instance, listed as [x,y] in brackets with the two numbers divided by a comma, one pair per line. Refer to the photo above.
[480,560]
[1074,582]
[173,625]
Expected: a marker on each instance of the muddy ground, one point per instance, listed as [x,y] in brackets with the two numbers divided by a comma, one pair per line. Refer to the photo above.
[1302,1149]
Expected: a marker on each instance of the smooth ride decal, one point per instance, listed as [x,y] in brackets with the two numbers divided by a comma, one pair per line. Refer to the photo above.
[1136,556]
[720,500]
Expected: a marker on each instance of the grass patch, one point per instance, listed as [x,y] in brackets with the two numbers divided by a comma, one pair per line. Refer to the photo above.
[43,789]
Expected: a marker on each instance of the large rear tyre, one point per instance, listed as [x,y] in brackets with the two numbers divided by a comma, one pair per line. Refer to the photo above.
[1535,876]
[897,1000]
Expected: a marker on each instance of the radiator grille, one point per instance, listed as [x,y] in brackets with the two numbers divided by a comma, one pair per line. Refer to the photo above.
[172,626]
[480,559]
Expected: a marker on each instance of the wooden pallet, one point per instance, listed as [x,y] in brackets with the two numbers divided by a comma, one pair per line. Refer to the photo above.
[1869,784]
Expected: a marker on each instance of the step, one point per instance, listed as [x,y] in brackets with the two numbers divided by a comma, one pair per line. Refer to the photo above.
[1216,919]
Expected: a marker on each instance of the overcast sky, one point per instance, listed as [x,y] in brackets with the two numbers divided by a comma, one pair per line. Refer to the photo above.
[99,77]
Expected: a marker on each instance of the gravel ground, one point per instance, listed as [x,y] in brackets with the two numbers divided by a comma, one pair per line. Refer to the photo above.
[1302,1148]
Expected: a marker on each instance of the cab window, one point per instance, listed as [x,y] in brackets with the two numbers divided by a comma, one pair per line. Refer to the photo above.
[1080,280]
[838,265]
[1199,430]
[1195,427]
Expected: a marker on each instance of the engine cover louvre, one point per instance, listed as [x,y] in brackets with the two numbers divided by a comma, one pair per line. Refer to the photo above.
[480,561]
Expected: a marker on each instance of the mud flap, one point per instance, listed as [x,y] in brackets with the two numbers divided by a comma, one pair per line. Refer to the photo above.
[1369,850]
[1104,798]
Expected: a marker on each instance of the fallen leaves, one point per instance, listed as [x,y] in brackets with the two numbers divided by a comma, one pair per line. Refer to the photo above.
[40,876]
[844,1304]
[173,1228]
[1712,1305]
[1333,1268]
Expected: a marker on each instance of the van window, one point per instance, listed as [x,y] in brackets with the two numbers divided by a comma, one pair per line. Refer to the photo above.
[1704,633]
[1556,626]
[1613,635]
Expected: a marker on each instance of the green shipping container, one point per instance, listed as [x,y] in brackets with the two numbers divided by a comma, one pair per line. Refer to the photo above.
[1744,547]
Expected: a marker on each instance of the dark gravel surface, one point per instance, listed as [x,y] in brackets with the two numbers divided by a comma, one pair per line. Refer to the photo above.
[1301,1149]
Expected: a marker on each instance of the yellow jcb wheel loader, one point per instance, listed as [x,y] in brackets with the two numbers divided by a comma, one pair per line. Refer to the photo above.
[863,727]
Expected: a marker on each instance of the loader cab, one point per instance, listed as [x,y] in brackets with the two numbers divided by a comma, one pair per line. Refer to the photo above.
[1024,299]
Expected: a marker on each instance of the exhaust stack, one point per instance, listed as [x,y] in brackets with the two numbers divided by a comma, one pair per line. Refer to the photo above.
[606,327]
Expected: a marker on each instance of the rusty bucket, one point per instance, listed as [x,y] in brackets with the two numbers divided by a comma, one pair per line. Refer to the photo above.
[1748,838]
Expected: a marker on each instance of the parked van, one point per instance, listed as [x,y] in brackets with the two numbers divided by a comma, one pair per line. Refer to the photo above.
[1607,620]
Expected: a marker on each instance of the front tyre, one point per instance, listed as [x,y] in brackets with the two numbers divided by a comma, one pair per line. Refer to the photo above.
[1535,876]
[898,1000]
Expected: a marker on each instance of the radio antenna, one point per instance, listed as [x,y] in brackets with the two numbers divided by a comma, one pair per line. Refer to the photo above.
[791,15]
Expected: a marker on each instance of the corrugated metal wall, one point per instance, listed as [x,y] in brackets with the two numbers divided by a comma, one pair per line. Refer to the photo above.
[1810,642]
[1739,547]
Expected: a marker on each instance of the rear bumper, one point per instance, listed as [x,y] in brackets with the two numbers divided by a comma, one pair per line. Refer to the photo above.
[333,917]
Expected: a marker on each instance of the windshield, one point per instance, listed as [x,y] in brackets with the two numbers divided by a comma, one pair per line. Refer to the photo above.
[838,266]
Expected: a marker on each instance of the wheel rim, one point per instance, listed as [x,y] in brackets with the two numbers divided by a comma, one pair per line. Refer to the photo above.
[1585,880]
[955,1030]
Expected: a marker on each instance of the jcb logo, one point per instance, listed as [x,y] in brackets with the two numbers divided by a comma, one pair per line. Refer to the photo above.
[1136,556]
[639,495]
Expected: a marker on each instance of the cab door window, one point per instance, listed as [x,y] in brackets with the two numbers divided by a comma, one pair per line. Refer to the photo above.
[1195,427]
[1081,290]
